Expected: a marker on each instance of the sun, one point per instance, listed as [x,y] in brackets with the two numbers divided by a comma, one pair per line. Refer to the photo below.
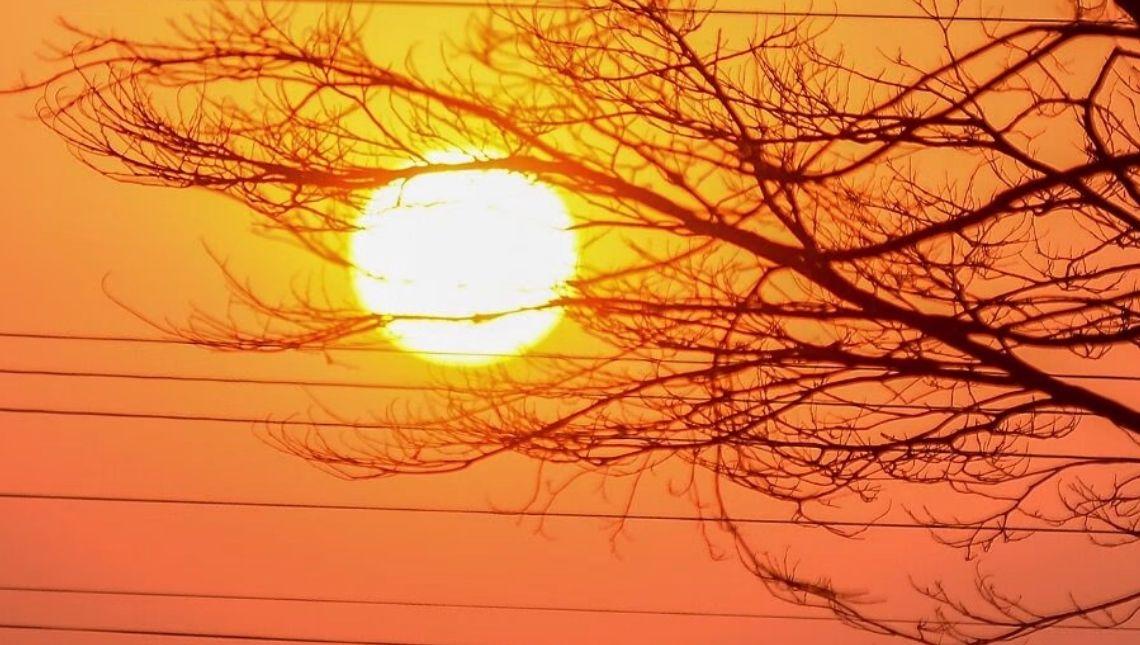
[459,244]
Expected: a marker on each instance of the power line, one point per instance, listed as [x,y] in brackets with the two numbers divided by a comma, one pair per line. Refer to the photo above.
[366,385]
[723,11]
[150,340]
[291,422]
[489,606]
[109,338]
[169,633]
[575,515]
[229,380]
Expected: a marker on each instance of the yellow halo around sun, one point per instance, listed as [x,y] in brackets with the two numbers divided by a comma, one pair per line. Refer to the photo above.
[463,243]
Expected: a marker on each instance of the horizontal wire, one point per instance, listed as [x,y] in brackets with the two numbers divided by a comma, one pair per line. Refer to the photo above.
[344,348]
[292,422]
[365,385]
[500,606]
[712,10]
[230,380]
[528,355]
[169,633]
[179,378]
[544,514]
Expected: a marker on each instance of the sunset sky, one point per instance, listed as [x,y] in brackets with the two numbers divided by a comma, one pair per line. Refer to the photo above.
[80,251]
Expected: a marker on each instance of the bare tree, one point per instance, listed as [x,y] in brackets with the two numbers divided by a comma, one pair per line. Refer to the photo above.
[845,279]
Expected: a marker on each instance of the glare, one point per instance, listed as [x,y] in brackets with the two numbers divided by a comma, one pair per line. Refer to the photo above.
[459,244]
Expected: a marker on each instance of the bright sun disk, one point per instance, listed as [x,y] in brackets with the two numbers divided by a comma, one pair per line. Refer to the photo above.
[458,244]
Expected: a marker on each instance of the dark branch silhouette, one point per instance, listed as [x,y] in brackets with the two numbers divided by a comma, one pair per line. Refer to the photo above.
[836,280]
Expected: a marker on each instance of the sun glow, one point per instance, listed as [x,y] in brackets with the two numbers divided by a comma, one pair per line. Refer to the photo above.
[460,244]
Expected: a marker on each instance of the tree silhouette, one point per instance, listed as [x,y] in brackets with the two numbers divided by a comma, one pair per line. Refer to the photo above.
[836,280]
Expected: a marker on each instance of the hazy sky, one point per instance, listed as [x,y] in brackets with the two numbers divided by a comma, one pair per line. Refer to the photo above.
[71,236]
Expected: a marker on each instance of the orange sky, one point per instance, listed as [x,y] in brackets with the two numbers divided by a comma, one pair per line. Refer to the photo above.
[68,233]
